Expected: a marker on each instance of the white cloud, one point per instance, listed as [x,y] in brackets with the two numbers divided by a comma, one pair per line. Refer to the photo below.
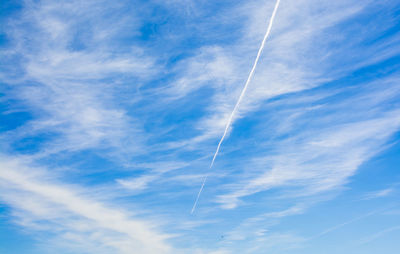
[43,203]
[321,158]
[139,183]
[288,212]
[379,193]
[377,235]
[293,40]
[71,90]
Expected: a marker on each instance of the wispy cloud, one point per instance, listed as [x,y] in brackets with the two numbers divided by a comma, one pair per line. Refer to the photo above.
[43,203]
[379,234]
[294,34]
[379,194]
[341,225]
[314,163]
[71,72]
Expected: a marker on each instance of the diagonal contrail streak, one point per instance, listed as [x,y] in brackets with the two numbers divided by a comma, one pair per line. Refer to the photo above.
[229,123]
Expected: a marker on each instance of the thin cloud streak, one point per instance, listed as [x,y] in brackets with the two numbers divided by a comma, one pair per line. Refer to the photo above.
[329,230]
[229,123]
[379,234]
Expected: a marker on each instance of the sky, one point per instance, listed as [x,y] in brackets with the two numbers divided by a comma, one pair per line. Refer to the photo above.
[111,113]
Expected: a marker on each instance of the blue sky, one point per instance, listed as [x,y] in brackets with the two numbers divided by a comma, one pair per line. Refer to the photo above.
[111,112]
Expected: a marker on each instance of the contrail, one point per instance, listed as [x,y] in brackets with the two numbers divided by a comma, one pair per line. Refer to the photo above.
[229,123]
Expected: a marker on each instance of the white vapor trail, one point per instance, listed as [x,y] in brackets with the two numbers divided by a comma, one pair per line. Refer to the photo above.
[229,123]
